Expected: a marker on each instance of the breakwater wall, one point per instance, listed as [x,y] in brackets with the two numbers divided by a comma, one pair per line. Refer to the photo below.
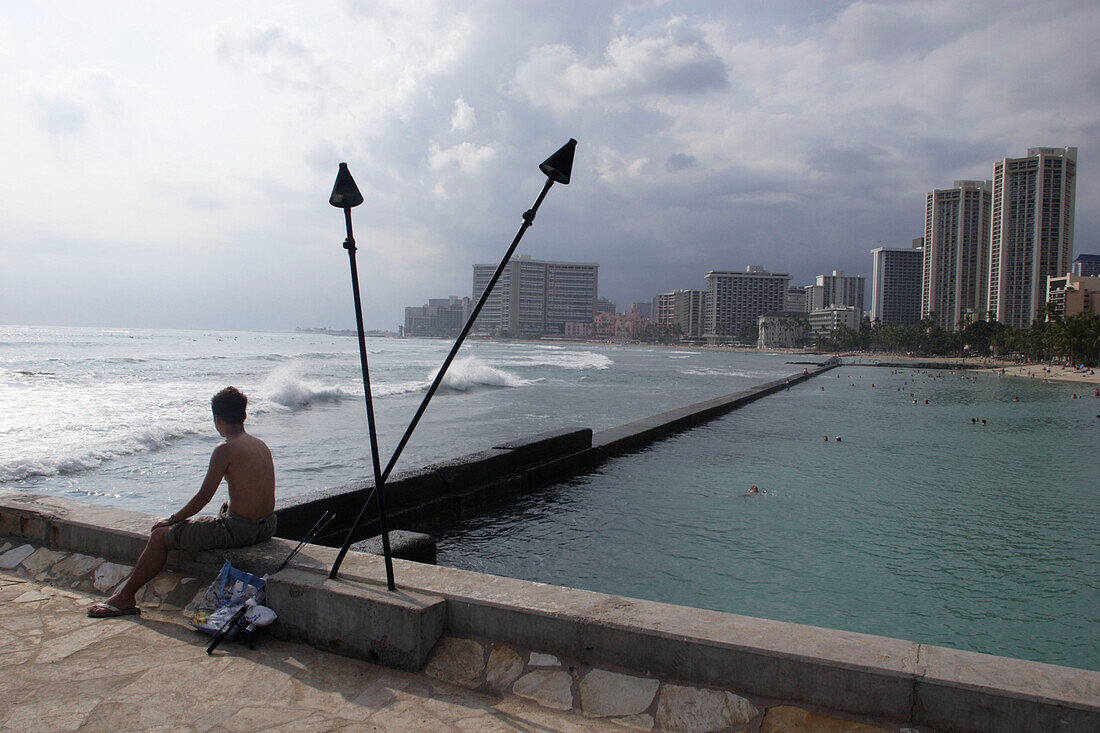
[443,493]
[654,666]
[910,365]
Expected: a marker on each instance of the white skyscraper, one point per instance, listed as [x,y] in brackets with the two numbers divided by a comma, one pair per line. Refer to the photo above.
[1031,232]
[735,300]
[534,297]
[956,253]
[837,289]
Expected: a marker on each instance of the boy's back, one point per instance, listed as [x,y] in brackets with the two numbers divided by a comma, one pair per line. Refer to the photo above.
[250,473]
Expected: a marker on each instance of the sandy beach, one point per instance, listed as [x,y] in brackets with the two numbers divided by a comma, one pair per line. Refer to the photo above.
[1051,372]
[1054,373]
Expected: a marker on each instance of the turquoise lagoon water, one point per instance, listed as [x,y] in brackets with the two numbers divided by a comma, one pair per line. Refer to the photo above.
[918,525]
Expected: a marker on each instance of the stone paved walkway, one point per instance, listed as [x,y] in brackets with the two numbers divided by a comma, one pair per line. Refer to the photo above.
[61,671]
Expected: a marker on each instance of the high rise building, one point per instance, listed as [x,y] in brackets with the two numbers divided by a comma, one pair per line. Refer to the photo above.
[956,253]
[440,317]
[684,307]
[1071,294]
[735,300]
[1031,235]
[1086,265]
[837,289]
[896,283]
[603,305]
[534,297]
[828,319]
[796,299]
[570,294]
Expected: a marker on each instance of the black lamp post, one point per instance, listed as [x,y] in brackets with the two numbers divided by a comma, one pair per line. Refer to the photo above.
[345,195]
[557,168]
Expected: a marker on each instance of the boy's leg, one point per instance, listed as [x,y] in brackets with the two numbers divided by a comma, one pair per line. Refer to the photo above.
[151,562]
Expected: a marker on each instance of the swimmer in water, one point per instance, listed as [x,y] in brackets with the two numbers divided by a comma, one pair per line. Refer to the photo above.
[753,492]
[838,438]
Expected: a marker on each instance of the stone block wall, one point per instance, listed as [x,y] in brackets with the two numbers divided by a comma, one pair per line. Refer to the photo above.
[634,701]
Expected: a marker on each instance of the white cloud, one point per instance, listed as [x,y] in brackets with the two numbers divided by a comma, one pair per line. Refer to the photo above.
[457,165]
[677,59]
[463,117]
[278,54]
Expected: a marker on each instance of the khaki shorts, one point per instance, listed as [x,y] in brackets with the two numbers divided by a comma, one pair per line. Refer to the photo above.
[228,529]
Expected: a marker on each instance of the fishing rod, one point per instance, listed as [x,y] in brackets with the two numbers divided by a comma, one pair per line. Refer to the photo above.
[317,529]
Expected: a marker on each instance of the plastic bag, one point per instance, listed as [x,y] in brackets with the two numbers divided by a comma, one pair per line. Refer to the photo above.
[225,596]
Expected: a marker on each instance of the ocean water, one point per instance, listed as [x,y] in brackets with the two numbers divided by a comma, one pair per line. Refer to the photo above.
[122,417]
[918,525]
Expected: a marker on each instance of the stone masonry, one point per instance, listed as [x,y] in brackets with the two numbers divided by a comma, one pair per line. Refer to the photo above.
[607,699]
[627,700]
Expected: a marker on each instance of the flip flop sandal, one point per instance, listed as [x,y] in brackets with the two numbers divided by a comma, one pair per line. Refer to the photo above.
[106,610]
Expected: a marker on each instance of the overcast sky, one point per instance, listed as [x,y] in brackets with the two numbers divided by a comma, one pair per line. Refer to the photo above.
[169,165]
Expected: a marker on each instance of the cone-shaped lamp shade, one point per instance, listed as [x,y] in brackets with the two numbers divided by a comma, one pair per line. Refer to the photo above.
[559,166]
[345,193]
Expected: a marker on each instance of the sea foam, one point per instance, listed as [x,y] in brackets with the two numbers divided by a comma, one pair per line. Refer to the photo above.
[471,372]
[286,387]
[140,441]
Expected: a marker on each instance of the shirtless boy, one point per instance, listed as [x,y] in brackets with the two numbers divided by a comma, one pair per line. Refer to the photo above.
[248,517]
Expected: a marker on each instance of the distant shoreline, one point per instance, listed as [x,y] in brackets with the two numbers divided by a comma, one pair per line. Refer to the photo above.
[988,365]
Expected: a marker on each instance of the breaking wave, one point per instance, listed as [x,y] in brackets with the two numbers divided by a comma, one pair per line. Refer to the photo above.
[712,372]
[471,372]
[286,387]
[142,441]
[563,359]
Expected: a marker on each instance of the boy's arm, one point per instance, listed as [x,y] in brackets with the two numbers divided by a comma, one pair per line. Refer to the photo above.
[219,463]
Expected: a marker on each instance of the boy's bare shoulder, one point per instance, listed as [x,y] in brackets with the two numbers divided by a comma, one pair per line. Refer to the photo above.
[248,444]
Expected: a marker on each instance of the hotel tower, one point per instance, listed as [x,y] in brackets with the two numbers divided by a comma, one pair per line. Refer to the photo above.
[1032,230]
[956,249]
[896,284]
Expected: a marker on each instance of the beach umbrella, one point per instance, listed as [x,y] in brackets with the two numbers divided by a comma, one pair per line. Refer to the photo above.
[558,168]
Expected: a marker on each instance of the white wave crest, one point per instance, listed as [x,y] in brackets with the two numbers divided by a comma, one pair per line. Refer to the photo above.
[712,372]
[286,387]
[385,390]
[141,441]
[471,372]
[562,359]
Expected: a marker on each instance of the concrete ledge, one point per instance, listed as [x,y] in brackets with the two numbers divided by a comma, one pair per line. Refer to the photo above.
[1030,696]
[414,546]
[77,527]
[355,618]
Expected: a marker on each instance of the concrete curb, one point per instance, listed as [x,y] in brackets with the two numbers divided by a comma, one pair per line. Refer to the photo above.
[871,677]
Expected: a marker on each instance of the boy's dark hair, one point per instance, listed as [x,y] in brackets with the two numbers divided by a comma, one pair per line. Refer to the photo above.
[229,404]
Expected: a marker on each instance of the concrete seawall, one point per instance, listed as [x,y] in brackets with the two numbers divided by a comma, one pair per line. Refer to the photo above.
[573,646]
[443,493]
